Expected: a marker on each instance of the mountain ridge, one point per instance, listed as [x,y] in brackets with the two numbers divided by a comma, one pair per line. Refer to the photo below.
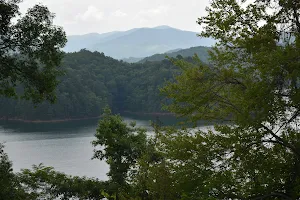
[137,42]
[200,51]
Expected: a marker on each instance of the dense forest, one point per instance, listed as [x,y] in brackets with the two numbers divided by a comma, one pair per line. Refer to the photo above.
[92,80]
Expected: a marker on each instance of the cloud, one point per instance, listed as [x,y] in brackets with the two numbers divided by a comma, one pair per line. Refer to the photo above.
[145,16]
[119,13]
[92,13]
[162,9]
[81,17]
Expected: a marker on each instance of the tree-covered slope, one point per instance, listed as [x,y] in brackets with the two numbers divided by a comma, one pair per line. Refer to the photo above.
[201,51]
[93,80]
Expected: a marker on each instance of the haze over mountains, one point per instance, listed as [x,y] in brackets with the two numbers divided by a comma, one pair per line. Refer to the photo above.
[138,43]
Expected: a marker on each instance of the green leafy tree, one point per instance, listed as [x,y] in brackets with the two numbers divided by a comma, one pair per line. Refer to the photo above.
[253,83]
[120,145]
[30,52]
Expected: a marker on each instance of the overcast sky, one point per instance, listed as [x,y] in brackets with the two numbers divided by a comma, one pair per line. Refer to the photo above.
[87,16]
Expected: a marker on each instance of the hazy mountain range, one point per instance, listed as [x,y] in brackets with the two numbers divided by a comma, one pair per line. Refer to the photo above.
[137,43]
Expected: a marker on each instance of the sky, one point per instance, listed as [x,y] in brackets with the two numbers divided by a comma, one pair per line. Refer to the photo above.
[100,16]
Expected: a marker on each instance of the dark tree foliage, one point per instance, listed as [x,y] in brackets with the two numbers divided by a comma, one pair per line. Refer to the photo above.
[29,52]
[7,177]
[11,188]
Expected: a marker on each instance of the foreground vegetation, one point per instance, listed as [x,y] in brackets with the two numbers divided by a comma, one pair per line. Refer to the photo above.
[29,52]
[253,83]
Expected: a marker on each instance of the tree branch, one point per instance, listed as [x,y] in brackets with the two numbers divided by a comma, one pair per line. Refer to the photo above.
[289,121]
[296,16]
[226,101]
[282,141]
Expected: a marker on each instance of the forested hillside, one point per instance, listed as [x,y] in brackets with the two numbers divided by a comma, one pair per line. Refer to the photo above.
[93,80]
[202,53]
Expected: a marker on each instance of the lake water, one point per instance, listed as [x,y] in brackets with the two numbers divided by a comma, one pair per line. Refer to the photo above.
[66,146]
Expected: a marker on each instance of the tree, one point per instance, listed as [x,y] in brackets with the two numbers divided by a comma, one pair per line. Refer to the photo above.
[6,175]
[30,52]
[9,183]
[253,83]
[120,145]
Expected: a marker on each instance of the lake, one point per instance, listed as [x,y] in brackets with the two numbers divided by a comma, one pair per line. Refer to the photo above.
[66,146]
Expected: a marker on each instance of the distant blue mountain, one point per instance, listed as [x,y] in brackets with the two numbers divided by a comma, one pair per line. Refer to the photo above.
[138,42]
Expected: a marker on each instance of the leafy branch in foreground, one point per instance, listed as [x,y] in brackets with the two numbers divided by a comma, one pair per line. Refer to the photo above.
[30,52]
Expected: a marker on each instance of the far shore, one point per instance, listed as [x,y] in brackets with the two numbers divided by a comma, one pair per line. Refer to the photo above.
[78,119]
[46,121]
[150,113]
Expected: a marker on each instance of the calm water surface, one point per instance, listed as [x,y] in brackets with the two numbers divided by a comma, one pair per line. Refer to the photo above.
[66,146]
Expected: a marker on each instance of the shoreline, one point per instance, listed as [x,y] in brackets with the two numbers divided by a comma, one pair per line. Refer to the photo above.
[47,121]
[146,113]
[78,119]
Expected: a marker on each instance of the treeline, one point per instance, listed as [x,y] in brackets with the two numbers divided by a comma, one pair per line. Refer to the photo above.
[92,81]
